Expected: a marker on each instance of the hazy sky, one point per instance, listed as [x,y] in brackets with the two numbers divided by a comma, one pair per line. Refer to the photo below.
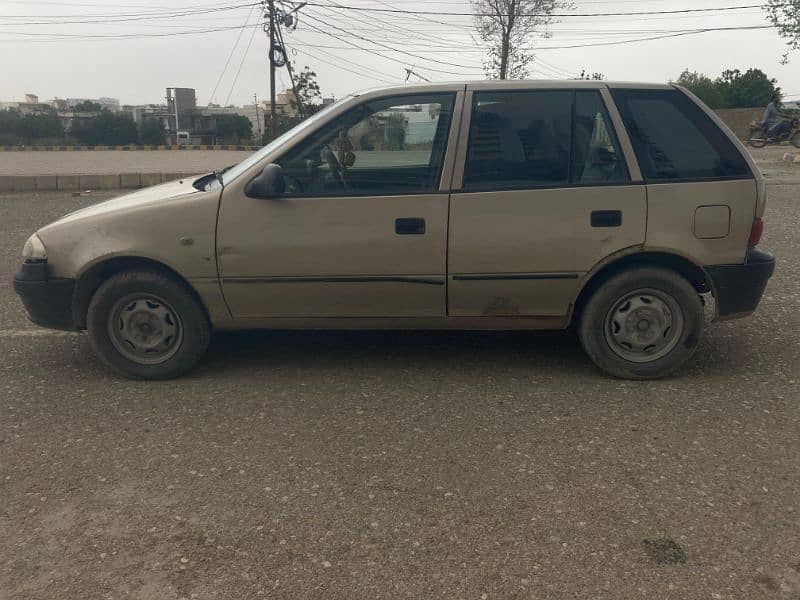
[43,50]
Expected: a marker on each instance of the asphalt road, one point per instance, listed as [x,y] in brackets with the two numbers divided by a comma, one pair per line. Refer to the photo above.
[403,465]
[85,162]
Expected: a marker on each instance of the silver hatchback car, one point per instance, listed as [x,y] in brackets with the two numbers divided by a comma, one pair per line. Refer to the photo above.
[488,205]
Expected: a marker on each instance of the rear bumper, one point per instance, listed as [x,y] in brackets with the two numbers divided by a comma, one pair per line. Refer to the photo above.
[48,300]
[738,288]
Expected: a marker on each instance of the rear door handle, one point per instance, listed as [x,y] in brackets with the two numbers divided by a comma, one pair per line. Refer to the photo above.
[606,218]
[409,226]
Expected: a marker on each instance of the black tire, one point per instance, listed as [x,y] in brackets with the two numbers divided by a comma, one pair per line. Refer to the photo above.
[757,142]
[595,324]
[194,327]
[796,139]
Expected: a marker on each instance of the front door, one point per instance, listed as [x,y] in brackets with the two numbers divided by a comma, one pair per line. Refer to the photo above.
[545,196]
[361,230]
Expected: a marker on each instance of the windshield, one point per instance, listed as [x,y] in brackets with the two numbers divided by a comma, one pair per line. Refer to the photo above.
[258,156]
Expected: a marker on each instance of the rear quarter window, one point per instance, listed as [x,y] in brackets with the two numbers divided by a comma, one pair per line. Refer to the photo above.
[674,139]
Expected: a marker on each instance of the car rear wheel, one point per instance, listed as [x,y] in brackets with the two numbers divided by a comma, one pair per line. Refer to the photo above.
[796,139]
[145,325]
[643,323]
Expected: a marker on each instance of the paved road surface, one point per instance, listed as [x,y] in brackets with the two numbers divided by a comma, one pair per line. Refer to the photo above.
[117,161]
[403,465]
[172,161]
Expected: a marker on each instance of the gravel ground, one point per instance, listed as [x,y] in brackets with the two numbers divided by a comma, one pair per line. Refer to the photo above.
[403,465]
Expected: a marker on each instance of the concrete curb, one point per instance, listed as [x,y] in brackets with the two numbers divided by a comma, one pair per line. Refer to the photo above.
[61,183]
[123,148]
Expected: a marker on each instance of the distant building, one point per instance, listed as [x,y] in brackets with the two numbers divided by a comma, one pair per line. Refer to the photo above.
[181,106]
[200,122]
[110,104]
[69,118]
[31,106]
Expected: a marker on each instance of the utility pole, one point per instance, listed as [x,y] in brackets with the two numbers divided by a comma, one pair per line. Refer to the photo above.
[258,120]
[410,72]
[272,116]
[297,99]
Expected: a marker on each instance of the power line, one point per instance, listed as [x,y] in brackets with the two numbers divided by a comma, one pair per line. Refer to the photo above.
[406,32]
[365,75]
[121,18]
[657,37]
[121,36]
[557,15]
[230,56]
[241,63]
[417,56]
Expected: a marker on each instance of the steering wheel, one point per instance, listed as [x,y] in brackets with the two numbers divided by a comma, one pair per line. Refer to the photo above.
[294,185]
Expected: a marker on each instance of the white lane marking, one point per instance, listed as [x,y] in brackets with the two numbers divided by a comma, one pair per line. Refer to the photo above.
[20,333]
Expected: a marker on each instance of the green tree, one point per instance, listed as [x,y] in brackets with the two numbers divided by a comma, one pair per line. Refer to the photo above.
[107,129]
[9,127]
[785,15]
[233,129]
[28,129]
[39,127]
[151,132]
[87,106]
[703,87]
[308,91]
[748,89]
[283,123]
[733,89]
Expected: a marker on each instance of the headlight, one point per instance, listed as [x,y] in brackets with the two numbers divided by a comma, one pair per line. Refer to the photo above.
[34,248]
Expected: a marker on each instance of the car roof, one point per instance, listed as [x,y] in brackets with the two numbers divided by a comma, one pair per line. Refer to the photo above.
[516,84]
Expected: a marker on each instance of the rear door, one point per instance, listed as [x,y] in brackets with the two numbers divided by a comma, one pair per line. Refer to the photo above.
[545,194]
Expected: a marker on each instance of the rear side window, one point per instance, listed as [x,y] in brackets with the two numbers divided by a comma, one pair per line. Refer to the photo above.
[596,156]
[519,139]
[542,138]
[675,140]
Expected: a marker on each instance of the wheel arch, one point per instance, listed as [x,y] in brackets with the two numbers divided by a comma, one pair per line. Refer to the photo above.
[89,280]
[650,258]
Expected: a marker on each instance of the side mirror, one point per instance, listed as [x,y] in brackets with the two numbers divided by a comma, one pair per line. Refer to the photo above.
[270,183]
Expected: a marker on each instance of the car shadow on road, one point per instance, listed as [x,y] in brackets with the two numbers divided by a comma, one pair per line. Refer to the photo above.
[398,349]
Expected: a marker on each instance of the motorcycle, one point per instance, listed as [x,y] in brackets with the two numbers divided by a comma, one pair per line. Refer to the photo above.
[759,137]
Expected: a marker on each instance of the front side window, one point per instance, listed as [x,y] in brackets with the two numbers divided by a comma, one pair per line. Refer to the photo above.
[383,147]
[675,140]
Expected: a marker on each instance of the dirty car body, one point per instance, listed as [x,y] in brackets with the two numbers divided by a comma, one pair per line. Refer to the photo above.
[488,205]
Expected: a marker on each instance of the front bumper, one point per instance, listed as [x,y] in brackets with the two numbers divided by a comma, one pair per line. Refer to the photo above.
[738,288]
[48,300]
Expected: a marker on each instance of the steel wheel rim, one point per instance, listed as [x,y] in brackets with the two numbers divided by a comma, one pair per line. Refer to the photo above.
[644,325]
[145,329]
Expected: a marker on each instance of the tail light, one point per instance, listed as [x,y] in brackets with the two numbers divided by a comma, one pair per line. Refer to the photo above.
[756,232]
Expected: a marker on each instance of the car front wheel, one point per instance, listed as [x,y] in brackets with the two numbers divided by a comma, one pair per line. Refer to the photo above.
[643,323]
[146,325]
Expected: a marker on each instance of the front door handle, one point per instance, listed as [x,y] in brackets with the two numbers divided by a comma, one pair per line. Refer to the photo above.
[409,226]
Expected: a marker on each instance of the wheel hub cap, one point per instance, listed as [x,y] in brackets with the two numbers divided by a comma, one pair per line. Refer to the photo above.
[145,329]
[644,326]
